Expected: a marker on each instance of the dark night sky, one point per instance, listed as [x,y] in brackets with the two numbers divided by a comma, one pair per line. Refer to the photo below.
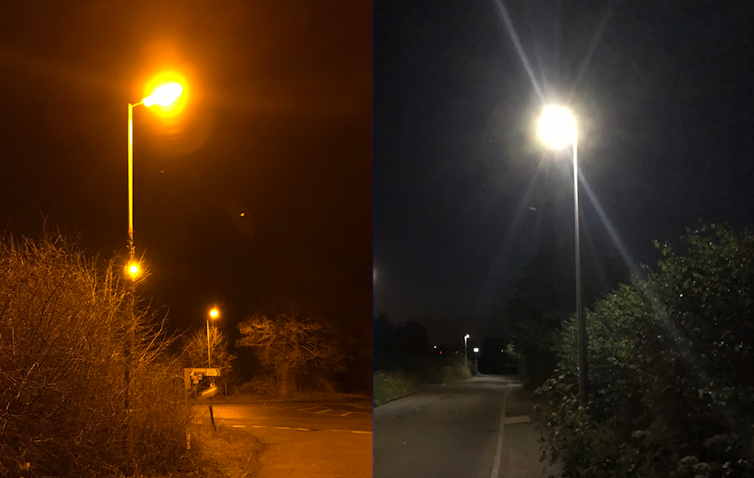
[663,95]
[277,125]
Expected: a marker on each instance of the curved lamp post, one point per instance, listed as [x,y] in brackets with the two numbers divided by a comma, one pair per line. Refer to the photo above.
[557,128]
[165,95]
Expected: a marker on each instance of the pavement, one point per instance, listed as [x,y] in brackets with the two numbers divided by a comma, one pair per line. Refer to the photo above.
[479,428]
[306,439]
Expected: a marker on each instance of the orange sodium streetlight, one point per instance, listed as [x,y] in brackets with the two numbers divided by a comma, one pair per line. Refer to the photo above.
[165,95]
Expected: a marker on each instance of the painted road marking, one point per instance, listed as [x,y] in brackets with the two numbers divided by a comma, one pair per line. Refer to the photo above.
[363,432]
[310,409]
[500,437]
[514,420]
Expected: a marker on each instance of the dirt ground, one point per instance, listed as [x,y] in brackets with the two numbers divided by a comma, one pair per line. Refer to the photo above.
[226,453]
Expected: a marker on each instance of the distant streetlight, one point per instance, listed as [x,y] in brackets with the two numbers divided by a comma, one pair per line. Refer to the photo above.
[465,351]
[476,350]
[133,269]
[213,314]
[557,128]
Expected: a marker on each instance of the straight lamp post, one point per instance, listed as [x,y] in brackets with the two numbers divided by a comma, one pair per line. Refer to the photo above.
[465,351]
[165,95]
[213,314]
[558,130]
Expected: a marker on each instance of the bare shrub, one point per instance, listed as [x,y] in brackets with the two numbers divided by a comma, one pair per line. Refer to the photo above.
[194,353]
[302,352]
[68,328]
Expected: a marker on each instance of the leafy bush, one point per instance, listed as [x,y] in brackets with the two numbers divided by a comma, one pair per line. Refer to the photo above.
[545,297]
[670,388]
[67,334]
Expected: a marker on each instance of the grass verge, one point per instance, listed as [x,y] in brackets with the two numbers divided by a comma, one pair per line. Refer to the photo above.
[389,386]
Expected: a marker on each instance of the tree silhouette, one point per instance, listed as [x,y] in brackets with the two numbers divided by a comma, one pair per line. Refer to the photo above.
[292,346]
[194,347]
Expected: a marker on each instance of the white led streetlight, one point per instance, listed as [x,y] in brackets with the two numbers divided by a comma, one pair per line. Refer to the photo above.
[557,128]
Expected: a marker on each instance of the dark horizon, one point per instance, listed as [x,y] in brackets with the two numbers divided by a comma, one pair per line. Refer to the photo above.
[259,190]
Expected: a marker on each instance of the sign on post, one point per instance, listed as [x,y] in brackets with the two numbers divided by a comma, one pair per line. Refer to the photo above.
[194,375]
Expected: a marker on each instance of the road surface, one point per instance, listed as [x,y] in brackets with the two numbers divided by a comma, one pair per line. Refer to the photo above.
[480,428]
[306,439]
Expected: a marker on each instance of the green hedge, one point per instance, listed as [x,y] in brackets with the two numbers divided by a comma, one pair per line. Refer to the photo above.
[671,392]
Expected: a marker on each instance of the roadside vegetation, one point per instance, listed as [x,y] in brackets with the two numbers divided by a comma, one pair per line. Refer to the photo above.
[224,452]
[87,387]
[194,354]
[92,385]
[300,354]
[389,386]
[544,297]
[297,356]
[405,363]
[670,382]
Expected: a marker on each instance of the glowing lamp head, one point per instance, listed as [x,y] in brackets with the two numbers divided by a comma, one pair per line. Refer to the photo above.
[467,336]
[556,127]
[214,313]
[165,95]
[476,350]
[133,270]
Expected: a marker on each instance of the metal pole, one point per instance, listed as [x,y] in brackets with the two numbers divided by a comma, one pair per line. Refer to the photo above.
[131,181]
[127,365]
[209,358]
[465,353]
[580,319]
[209,365]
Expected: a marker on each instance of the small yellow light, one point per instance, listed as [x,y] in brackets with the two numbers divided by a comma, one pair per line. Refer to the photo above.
[133,269]
[214,313]
[165,95]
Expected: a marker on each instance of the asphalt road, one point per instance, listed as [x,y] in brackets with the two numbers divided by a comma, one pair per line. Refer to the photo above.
[480,428]
[307,439]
